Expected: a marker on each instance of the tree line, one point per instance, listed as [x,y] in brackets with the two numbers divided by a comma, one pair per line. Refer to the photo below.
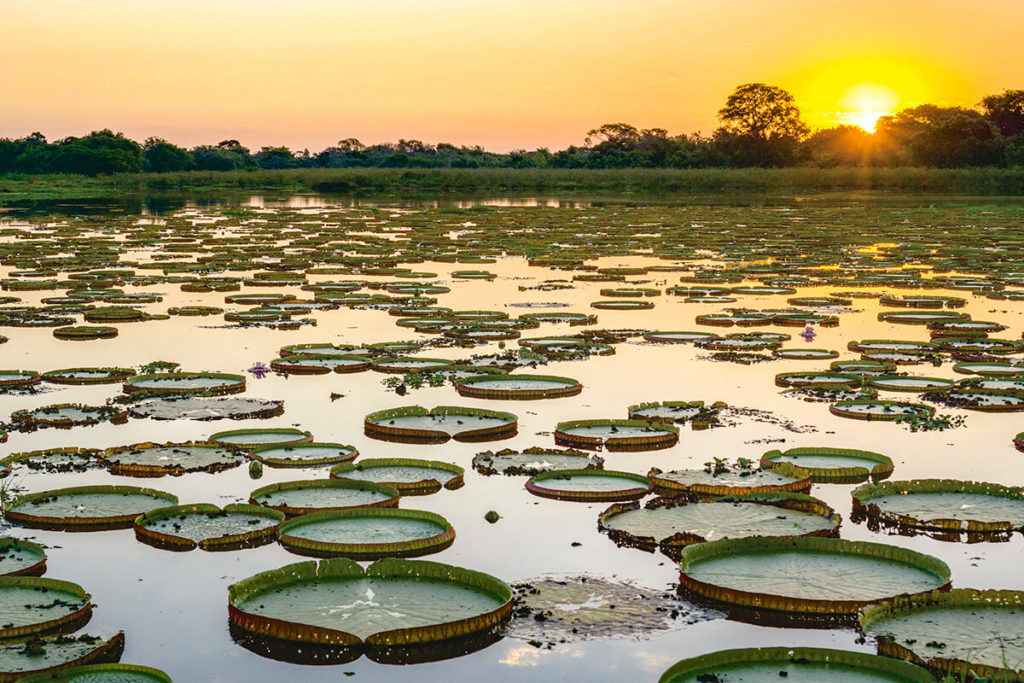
[760,126]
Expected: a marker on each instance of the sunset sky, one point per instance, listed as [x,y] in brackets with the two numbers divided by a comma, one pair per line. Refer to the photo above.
[501,73]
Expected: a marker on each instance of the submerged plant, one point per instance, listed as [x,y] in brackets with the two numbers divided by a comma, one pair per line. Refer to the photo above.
[918,422]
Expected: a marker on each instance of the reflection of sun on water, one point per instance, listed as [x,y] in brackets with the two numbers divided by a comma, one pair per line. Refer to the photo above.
[862,105]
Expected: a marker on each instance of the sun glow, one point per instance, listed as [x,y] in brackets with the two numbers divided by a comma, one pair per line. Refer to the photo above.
[863,104]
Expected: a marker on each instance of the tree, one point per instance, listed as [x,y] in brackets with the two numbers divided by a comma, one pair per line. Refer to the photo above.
[275,158]
[913,135]
[841,146]
[160,156]
[618,145]
[35,154]
[764,112]
[226,155]
[761,126]
[99,152]
[1006,111]
[965,139]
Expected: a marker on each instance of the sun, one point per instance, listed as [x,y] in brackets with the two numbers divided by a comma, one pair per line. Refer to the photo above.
[863,104]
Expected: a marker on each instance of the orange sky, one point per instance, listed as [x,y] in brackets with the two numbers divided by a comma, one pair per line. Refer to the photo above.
[501,73]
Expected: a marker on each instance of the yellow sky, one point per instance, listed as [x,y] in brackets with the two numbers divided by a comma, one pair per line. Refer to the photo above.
[501,73]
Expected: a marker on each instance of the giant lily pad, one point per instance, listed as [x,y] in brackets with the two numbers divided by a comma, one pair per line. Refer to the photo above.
[66,415]
[532,461]
[18,378]
[414,424]
[261,437]
[974,398]
[990,369]
[954,633]
[908,383]
[679,337]
[810,379]
[157,460]
[105,673]
[863,368]
[321,349]
[674,411]
[186,383]
[616,435]
[805,354]
[184,527]
[922,318]
[315,495]
[67,459]
[392,603]
[311,364]
[806,575]
[85,332]
[30,605]
[793,664]
[410,476]
[367,533]
[404,364]
[87,375]
[836,465]
[205,409]
[86,508]
[731,482]
[879,410]
[873,345]
[303,454]
[21,558]
[948,505]
[589,485]
[46,656]
[518,387]
[671,523]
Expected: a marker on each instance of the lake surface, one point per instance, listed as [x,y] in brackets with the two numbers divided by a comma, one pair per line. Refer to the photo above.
[173,606]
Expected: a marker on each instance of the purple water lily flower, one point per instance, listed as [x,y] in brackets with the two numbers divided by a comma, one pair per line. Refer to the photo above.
[259,370]
[808,333]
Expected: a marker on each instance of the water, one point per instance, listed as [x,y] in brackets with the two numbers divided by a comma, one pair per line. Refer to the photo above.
[173,603]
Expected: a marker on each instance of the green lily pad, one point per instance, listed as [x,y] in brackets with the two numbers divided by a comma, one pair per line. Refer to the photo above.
[839,465]
[184,527]
[806,575]
[156,460]
[315,495]
[21,558]
[31,605]
[86,508]
[419,425]
[618,435]
[953,632]
[794,665]
[261,437]
[49,655]
[411,602]
[307,454]
[943,505]
[589,485]
[532,461]
[367,533]
[410,476]
[670,523]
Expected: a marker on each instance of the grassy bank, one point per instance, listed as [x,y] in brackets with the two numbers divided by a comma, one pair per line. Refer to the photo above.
[375,181]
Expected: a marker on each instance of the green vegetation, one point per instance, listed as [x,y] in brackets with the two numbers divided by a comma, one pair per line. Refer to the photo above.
[761,127]
[412,182]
